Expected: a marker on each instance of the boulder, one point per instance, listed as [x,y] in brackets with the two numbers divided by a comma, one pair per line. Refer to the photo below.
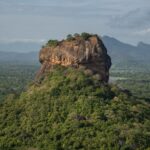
[79,52]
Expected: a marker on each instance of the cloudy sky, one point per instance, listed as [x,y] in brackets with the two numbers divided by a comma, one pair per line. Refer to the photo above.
[39,20]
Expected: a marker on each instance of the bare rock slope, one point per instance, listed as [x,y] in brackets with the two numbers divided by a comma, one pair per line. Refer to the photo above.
[90,54]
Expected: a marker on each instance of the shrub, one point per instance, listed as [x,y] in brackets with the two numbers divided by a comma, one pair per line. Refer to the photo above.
[85,35]
[76,35]
[52,43]
[70,37]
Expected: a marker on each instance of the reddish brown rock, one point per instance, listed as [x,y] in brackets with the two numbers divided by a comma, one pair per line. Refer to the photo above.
[90,54]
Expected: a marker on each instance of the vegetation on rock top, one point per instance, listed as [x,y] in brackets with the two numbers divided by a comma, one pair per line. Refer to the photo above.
[83,35]
[69,37]
[53,43]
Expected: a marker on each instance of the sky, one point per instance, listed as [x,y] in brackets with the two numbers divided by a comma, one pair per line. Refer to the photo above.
[40,20]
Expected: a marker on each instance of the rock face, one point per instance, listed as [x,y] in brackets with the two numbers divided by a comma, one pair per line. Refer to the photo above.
[89,54]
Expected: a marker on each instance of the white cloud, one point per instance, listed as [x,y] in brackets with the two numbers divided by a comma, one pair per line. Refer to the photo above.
[143,32]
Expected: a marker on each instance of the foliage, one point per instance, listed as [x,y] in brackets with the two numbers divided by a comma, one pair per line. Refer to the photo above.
[15,77]
[53,43]
[70,37]
[71,110]
[137,82]
[85,35]
[76,35]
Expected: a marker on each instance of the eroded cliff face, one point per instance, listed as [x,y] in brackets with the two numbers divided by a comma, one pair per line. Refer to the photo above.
[89,54]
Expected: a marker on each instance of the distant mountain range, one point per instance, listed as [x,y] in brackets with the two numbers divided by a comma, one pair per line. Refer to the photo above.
[121,53]
[20,52]
[126,55]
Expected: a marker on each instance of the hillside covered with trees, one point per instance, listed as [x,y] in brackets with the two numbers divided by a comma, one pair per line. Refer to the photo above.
[69,109]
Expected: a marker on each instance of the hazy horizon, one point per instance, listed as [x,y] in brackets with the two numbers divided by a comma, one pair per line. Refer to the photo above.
[28,46]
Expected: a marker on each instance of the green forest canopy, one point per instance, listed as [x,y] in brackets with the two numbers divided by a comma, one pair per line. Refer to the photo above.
[72,110]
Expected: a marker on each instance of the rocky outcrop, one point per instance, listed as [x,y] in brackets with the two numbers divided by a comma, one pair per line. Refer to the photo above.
[89,54]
